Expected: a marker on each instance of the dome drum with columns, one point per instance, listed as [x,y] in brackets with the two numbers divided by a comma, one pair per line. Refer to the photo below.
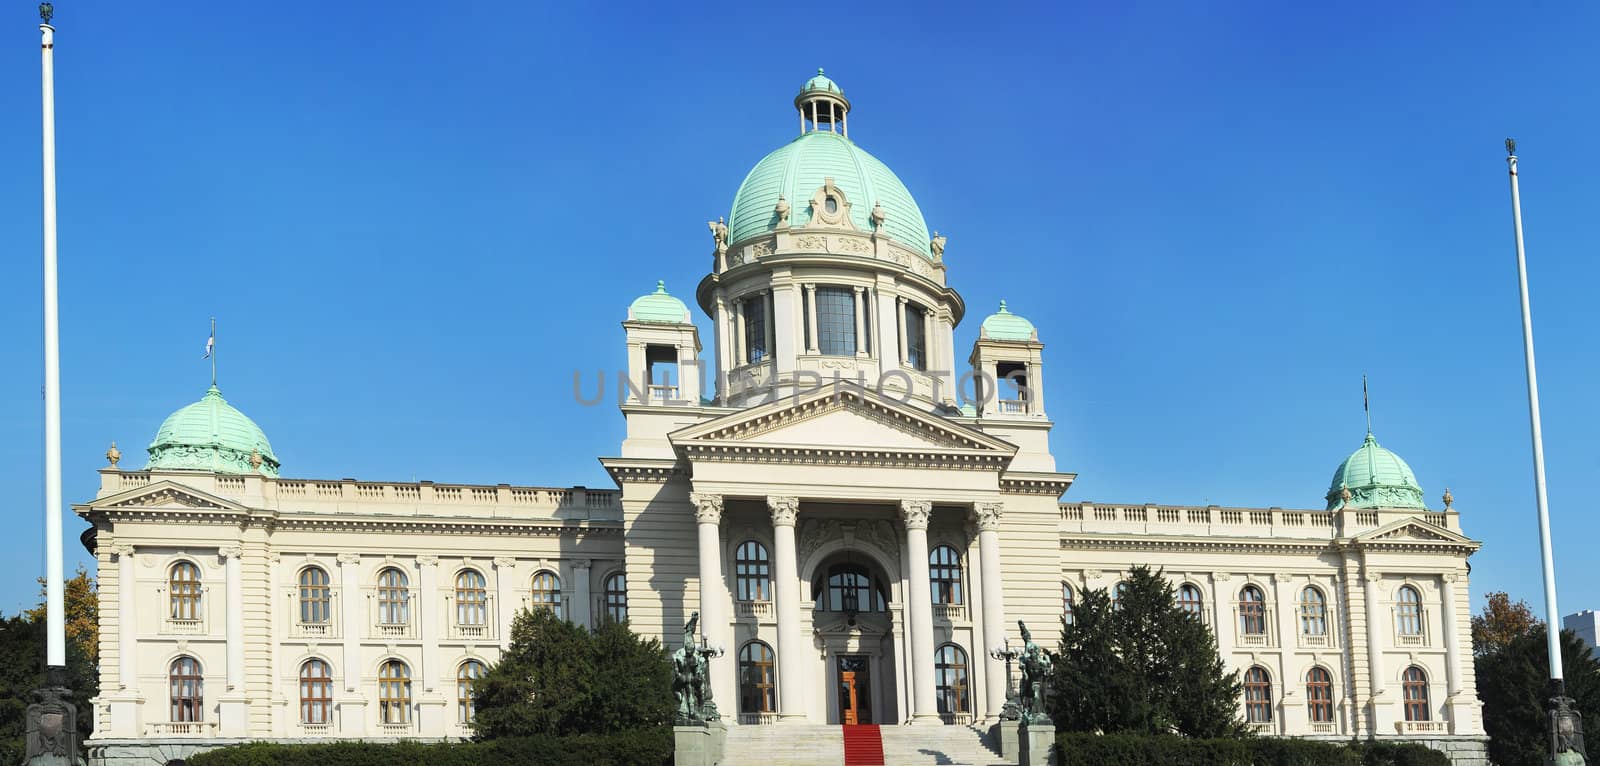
[860,552]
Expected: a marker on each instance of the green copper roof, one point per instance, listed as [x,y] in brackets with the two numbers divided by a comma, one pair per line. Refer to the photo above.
[658,307]
[799,168]
[210,435]
[1376,478]
[821,82]
[1004,325]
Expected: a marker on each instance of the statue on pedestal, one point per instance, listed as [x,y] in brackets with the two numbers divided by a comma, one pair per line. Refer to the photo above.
[52,722]
[1035,664]
[691,678]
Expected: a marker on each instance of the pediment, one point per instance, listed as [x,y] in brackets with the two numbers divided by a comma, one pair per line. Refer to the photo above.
[843,417]
[1412,531]
[167,494]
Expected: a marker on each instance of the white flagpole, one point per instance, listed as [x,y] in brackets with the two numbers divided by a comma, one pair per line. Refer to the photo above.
[56,654]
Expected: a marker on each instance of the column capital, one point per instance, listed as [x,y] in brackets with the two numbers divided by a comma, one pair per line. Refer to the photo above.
[987,515]
[230,552]
[915,513]
[810,286]
[859,289]
[707,507]
[122,550]
[1283,577]
[784,509]
[350,559]
[1451,577]
[580,565]
[1373,577]
[504,562]
[428,561]
[901,299]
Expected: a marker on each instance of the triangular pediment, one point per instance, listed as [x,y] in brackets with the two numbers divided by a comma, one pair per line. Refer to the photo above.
[1412,531]
[167,494]
[843,417]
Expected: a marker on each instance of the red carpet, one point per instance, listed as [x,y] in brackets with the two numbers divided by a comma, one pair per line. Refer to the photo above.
[863,745]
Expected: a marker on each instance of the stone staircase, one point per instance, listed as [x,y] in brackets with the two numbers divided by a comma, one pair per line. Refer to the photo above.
[814,745]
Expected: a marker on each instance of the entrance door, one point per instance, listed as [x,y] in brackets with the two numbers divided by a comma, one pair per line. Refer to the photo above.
[855,689]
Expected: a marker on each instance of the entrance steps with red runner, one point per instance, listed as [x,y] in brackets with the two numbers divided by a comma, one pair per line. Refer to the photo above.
[793,744]
[863,745]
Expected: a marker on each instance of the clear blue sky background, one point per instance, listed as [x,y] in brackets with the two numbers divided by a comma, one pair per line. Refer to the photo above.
[415,221]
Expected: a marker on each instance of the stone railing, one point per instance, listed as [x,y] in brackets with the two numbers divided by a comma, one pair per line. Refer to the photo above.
[1422,727]
[173,626]
[956,719]
[757,719]
[1011,406]
[394,729]
[470,632]
[1324,728]
[760,610]
[316,729]
[950,612]
[314,630]
[182,729]
[1103,518]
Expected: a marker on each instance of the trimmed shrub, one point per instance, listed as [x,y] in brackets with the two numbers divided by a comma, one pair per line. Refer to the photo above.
[640,748]
[1076,749]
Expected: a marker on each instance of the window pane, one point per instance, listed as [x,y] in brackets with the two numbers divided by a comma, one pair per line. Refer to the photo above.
[836,321]
[916,337]
[755,327]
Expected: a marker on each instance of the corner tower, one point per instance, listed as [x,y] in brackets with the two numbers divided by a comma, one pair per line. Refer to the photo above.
[824,270]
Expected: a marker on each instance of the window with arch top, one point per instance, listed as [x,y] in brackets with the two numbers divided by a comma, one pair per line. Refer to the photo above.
[1191,602]
[1313,612]
[1257,695]
[849,588]
[757,690]
[186,690]
[394,597]
[183,586]
[472,598]
[950,679]
[1252,611]
[944,573]
[316,692]
[1319,695]
[1066,603]
[752,572]
[466,675]
[546,593]
[1408,611]
[316,596]
[1414,685]
[394,692]
[616,595]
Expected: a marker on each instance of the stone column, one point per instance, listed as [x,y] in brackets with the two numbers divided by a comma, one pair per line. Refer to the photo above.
[638,372]
[581,603]
[428,619]
[994,611]
[740,357]
[1375,623]
[234,606]
[505,583]
[900,322]
[352,704]
[793,687]
[720,314]
[915,514]
[811,318]
[714,598]
[770,318]
[861,321]
[127,624]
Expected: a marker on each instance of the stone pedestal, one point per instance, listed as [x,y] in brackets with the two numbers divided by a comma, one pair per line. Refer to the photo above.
[233,716]
[1037,742]
[1007,736]
[52,722]
[699,745]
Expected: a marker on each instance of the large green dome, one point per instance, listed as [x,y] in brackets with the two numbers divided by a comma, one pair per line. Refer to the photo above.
[210,435]
[1376,478]
[799,168]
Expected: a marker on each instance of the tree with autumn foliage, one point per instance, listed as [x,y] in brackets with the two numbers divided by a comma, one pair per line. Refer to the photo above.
[1512,665]
[22,662]
[82,610]
[1501,622]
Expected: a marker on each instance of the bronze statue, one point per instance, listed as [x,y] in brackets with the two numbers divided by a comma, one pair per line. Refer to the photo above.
[691,678]
[1035,664]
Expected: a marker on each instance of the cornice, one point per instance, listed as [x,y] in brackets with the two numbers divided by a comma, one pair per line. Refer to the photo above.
[1049,484]
[643,470]
[748,452]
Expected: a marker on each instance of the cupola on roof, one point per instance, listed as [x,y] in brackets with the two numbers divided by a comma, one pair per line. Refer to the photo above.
[1375,478]
[211,435]
[659,307]
[823,151]
[1004,325]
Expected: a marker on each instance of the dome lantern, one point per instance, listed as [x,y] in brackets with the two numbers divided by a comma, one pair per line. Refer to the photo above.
[822,106]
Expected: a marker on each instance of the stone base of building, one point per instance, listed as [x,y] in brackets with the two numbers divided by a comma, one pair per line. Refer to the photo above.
[160,752]
[1463,751]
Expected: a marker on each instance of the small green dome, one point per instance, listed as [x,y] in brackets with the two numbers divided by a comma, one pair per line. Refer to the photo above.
[210,435]
[1376,478]
[1004,325]
[821,82]
[799,168]
[659,307]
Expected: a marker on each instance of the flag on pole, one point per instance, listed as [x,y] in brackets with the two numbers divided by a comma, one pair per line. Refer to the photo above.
[211,343]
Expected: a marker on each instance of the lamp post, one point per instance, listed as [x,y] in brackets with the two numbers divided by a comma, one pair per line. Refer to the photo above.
[1566,727]
[1012,710]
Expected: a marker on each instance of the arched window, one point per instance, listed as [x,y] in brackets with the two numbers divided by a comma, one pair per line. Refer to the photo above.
[469,672]
[1066,603]
[546,591]
[1319,696]
[394,693]
[849,588]
[1189,601]
[187,691]
[183,583]
[394,597]
[1257,695]
[950,679]
[1252,611]
[751,572]
[1117,593]
[1415,686]
[616,588]
[1313,612]
[1408,612]
[472,598]
[316,692]
[944,572]
[757,692]
[315,597]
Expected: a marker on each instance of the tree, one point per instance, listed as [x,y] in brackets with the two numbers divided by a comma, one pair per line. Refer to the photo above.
[1513,684]
[82,610]
[559,679]
[1501,622]
[1146,666]
[22,665]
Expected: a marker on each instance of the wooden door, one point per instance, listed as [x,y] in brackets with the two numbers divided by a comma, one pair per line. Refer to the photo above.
[848,698]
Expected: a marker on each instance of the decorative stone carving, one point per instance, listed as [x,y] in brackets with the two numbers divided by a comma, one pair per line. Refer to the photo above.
[851,245]
[428,561]
[114,455]
[839,216]
[504,562]
[1220,576]
[1449,499]
[784,510]
[879,217]
[812,242]
[719,234]
[761,249]
[782,211]
[915,513]
[349,558]
[937,246]
[229,552]
[52,724]
[1373,577]
[707,507]
[255,459]
[987,515]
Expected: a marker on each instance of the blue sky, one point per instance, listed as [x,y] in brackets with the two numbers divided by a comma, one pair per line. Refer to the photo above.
[415,221]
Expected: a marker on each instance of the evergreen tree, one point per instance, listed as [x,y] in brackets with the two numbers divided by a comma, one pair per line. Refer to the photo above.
[22,668]
[1145,666]
[1513,684]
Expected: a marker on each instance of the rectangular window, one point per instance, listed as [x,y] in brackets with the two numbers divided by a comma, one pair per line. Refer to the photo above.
[755,328]
[836,321]
[916,336]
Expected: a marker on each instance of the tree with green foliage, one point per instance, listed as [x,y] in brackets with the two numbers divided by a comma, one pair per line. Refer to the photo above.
[1513,684]
[1143,666]
[559,679]
[22,667]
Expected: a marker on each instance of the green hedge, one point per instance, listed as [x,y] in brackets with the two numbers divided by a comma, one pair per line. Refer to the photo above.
[644,748]
[1132,750]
